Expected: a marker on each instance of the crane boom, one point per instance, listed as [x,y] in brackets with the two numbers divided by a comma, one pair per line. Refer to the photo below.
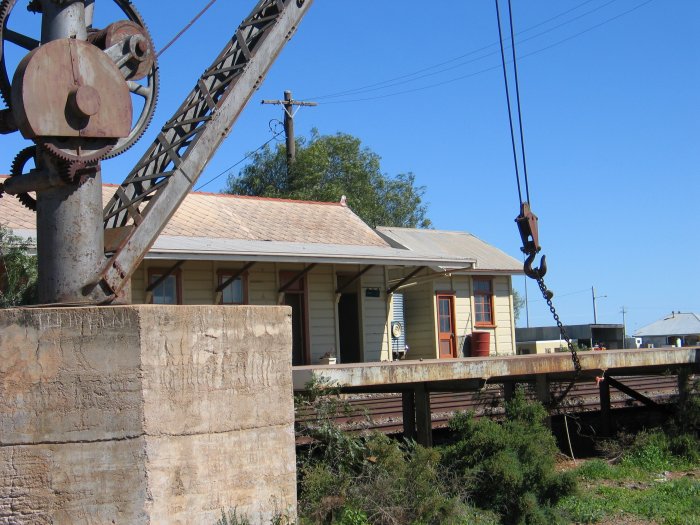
[153,190]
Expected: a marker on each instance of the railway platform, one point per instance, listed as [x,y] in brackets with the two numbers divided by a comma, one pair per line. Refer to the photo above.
[415,380]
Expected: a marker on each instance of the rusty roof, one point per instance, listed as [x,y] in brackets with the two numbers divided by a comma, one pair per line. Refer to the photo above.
[220,216]
[265,219]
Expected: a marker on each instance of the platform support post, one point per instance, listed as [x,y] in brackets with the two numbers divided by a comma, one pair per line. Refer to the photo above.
[423,419]
[408,402]
[509,391]
[542,391]
[605,415]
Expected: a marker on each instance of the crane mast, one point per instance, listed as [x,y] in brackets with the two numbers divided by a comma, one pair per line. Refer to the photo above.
[87,254]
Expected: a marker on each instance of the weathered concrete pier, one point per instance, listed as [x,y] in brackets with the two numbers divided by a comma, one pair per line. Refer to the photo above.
[145,414]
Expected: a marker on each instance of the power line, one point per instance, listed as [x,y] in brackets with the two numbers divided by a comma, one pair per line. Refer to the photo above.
[481,71]
[560,295]
[250,154]
[416,74]
[184,29]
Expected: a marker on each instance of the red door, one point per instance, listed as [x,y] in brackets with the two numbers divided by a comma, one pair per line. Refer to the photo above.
[446,326]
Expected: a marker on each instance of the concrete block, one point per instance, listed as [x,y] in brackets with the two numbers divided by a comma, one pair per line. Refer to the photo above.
[145,414]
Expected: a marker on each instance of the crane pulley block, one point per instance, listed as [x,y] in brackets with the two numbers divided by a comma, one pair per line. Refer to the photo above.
[527,225]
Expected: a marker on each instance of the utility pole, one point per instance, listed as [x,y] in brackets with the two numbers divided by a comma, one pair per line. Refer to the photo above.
[624,328]
[288,105]
[527,308]
[595,317]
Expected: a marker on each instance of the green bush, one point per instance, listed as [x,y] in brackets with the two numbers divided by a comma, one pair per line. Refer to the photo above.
[396,483]
[18,270]
[595,469]
[686,418]
[346,479]
[657,451]
[508,467]
[233,518]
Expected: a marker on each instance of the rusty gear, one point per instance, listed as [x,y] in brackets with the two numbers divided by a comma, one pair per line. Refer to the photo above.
[17,170]
[5,83]
[148,92]
[72,172]
[77,149]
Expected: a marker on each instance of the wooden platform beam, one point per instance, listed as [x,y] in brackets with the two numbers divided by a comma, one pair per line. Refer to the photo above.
[397,375]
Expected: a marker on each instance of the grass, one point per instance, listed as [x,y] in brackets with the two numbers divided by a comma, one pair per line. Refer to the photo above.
[647,485]
[674,502]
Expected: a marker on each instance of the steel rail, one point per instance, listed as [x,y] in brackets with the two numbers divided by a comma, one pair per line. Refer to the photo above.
[383,412]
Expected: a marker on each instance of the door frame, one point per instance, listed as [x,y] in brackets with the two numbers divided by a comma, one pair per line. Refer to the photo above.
[355,288]
[303,290]
[453,322]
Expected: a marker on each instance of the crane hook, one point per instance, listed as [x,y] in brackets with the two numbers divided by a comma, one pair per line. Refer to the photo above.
[535,273]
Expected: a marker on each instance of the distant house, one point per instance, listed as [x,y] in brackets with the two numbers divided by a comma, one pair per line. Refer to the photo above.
[676,329]
[356,294]
[547,339]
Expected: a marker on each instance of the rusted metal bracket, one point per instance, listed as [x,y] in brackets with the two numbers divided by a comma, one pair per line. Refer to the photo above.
[235,276]
[632,393]
[354,278]
[163,277]
[286,286]
[404,280]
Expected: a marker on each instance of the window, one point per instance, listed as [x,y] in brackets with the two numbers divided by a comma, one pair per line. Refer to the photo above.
[483,302]
[168,290]
[234,292]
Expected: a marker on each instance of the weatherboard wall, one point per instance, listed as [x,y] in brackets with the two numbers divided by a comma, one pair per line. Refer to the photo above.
[374,315]
[419,316]
[199,280]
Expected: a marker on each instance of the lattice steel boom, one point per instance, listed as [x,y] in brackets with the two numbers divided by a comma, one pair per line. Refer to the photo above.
[145,201]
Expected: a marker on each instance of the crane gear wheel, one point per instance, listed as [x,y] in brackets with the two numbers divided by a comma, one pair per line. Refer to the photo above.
[77,172]
[148,91]
[77,149]
[17,170]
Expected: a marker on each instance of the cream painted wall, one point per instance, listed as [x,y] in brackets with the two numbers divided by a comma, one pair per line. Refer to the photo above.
[199,283]
[421,317]
[374,315]
[420,320]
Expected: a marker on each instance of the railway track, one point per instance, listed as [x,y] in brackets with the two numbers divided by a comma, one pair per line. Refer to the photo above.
[383,412]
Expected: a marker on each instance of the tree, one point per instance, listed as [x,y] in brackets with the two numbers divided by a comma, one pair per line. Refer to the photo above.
[328,167]
[518,304]
[18,270]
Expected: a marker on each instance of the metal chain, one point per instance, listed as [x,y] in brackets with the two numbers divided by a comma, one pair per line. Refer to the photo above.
[548,298]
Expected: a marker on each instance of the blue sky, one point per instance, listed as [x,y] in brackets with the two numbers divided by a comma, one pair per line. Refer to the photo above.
[611,106]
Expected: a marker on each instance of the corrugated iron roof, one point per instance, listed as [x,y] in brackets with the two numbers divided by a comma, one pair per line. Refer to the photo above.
[227,227]
[676,323]
[453,244]
[246,218]
[263,219]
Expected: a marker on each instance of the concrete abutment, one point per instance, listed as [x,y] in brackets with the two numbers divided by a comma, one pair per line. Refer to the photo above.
[145,414]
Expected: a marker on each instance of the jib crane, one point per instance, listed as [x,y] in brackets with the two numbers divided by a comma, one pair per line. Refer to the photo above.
[72,96]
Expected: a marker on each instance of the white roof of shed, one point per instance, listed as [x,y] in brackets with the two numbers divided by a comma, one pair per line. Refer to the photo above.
[453,244]
[676,323]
